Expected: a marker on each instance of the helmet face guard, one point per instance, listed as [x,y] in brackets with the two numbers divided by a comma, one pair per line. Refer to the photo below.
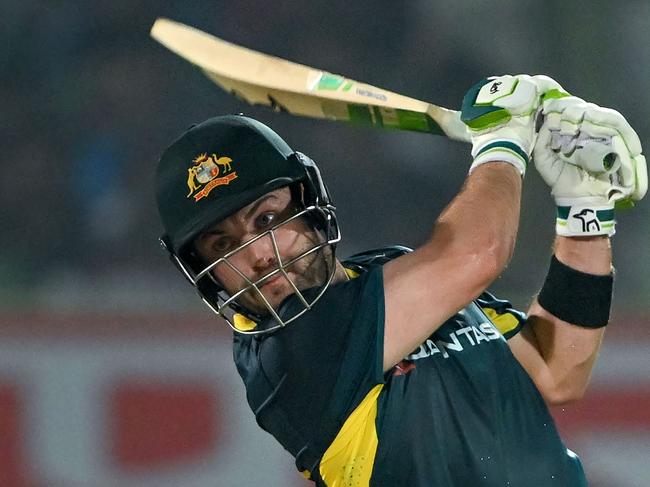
[229,306]
[227,163]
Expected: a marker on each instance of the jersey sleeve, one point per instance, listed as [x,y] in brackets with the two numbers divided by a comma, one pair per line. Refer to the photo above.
[508,320]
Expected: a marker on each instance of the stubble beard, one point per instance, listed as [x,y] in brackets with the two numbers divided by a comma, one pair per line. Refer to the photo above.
[307,272]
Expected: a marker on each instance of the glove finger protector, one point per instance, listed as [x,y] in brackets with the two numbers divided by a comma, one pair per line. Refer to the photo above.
[591,157]
[610,122]
[598,140]
[641,180]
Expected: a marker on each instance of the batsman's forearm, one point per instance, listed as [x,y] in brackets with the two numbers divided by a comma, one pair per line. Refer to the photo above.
[570,351]
[592,255]
[484,216]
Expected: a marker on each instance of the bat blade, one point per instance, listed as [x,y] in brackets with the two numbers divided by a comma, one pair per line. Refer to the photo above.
[283,85]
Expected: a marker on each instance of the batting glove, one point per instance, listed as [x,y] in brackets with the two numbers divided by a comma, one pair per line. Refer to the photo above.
[591,158]
[500,113]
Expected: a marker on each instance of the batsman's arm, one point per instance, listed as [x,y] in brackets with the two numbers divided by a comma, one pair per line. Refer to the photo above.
[560,342]
[558,355]
[473,239]
[471,243]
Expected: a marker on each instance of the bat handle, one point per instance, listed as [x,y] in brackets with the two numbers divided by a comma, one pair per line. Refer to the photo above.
[450,123]
[598,158]
[593,154]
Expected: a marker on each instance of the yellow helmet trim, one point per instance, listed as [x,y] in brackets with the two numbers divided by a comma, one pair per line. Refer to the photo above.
[242,323]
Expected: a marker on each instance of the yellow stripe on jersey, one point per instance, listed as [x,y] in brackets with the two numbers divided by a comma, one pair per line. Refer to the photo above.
[349,459]
[505,322]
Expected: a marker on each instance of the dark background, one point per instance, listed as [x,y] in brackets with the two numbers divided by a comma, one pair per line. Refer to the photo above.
[88,102]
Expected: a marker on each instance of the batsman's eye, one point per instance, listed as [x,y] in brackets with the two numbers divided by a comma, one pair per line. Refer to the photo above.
[222,245]
[266,219]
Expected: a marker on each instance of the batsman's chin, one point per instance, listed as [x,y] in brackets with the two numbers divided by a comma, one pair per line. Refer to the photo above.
[275,290]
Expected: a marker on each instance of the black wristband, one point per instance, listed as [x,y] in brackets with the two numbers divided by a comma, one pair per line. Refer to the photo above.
[576,297]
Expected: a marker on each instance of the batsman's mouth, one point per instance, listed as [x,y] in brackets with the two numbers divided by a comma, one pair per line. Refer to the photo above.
[273,281]
[273,290]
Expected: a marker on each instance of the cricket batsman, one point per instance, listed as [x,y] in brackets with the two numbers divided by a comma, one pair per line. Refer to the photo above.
[396,367]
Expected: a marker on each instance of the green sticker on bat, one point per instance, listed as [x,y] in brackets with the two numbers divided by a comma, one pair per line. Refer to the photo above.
[330,82]
[360,114]
[381,117]
[418,122]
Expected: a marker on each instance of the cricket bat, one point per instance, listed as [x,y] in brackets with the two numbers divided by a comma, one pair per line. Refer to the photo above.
[261,79]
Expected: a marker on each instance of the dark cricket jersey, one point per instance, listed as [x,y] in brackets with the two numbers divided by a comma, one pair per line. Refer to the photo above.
[459,411]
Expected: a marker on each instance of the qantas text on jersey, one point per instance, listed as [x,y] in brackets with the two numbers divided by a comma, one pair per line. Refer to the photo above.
[459,340]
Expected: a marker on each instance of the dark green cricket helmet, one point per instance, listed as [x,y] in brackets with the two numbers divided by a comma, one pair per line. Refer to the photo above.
[216,168]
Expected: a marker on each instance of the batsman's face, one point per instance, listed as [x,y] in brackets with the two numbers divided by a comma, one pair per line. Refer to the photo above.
[258,259]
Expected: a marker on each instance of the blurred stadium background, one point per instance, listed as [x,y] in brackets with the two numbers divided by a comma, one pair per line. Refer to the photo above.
[111,373]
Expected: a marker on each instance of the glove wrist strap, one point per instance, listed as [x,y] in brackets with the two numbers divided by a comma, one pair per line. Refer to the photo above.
[500,151]
[580,220]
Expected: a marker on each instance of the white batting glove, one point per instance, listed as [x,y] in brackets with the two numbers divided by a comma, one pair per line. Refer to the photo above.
[500,113]
[591,158]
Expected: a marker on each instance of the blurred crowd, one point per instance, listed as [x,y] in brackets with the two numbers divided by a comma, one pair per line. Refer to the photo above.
[89,102]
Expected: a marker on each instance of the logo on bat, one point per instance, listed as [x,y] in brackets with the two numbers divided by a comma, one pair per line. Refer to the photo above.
[371,94]
[203,174]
